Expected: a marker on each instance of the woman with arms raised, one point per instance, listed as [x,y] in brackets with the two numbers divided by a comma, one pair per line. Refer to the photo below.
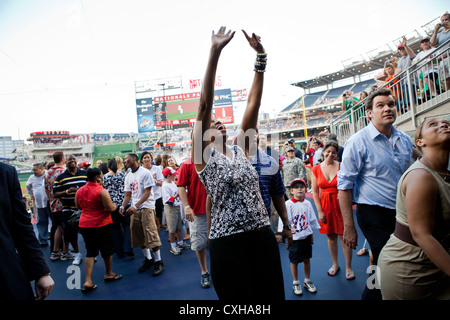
[244,255]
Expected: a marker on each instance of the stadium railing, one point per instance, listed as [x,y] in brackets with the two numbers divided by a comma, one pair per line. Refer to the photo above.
[413,95]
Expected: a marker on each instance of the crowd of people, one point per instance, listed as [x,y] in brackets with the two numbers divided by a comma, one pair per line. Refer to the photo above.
[239,201]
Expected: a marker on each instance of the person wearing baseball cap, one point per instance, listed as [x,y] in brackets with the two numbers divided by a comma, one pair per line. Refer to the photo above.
[293,167]
[85,165]
[404,62]
[297,152]
[430,71]
[301,219]
[172,211]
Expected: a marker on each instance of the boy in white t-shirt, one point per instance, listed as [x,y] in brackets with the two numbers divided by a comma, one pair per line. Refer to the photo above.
[172,206]
[302,219]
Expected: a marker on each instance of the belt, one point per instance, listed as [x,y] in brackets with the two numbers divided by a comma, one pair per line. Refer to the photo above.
[403,233]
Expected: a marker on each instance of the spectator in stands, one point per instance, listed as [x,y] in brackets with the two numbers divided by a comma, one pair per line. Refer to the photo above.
[36,188]
[407,55]
[438,38]
[429,74]
[240,233]
[96,226]
[392,83]
[349,102]
[297,152]
[365,166]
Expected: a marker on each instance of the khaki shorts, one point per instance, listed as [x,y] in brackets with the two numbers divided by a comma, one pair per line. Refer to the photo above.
[144,232]
[173,218]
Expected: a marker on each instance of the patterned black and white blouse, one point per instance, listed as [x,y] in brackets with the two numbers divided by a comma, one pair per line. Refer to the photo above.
[233,186]
[114,185]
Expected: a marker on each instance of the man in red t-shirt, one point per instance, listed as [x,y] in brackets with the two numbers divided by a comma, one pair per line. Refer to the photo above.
[193,196]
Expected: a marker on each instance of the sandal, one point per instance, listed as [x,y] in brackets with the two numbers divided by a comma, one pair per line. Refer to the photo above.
[88,289]
[113,278]
[362,252]
[350,275]
[332,272]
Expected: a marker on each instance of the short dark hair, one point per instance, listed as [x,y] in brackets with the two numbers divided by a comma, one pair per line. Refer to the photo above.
[38,165]
[58,156]
[92,173]
[376,93]
[112,164]
[133,155]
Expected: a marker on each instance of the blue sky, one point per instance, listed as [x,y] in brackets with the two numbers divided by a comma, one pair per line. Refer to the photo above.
[71,64]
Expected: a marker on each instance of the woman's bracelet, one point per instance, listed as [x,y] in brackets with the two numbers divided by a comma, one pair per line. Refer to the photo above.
[261,62]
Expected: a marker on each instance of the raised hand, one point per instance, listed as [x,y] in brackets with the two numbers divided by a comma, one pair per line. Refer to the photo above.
[255,42]
[403,43]
[221,39]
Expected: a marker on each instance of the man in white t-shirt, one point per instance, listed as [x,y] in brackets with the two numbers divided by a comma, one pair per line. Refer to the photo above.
[430,71]
[144,233]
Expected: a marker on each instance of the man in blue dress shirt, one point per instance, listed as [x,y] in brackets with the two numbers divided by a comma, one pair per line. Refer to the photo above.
[373,161]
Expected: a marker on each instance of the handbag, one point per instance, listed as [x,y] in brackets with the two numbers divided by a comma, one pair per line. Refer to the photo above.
[74,219]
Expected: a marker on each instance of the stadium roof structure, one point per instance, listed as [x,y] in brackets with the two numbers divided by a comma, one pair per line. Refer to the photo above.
[375,59]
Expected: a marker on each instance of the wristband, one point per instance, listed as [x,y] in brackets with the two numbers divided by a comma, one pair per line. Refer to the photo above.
[187,207]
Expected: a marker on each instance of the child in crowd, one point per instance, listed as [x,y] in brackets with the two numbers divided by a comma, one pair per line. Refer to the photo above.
[302,219]
[172,204]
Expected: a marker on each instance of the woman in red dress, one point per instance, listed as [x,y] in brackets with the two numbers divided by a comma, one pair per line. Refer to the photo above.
[324,179]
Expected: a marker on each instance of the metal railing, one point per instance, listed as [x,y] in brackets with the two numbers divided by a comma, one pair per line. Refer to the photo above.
[423,86]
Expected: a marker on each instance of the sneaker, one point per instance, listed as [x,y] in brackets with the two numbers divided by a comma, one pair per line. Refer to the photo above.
[309,285]
[205,282]
[55,255]
[175,250]
[67,256]
[297,289]
[184,246]
[158,268]
[147,265]
[78,258]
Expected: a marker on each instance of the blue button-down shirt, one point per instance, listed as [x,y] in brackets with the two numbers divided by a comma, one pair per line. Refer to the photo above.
[372,165]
